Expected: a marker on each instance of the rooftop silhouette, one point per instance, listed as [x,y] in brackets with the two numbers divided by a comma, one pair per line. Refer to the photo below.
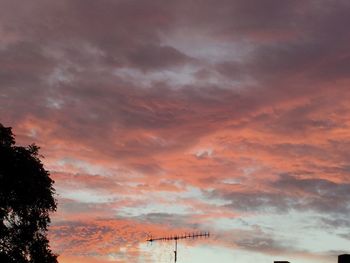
[344,258]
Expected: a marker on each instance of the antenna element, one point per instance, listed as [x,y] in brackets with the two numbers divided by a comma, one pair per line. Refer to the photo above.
[178,237]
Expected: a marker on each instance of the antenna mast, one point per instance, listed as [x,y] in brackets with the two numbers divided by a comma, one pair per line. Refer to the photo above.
[178,237]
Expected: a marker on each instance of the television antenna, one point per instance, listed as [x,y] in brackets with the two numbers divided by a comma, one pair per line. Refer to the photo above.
[178,237]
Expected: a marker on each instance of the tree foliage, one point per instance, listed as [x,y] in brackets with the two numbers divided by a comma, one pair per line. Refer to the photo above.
[26,199]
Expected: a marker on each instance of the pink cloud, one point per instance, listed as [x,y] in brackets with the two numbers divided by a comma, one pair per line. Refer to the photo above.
[143,133]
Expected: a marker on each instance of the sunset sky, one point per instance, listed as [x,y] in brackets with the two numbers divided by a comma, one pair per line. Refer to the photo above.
[165,117]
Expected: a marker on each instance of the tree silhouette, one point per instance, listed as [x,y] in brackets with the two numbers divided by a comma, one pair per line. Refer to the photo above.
[26,199]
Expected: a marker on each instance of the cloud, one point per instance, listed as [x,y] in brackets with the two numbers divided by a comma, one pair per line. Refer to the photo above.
[291,193]
[322,195]
[181,115]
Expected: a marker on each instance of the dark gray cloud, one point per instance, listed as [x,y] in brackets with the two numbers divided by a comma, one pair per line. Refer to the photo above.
[253,201]
[318,194]
[288,193]
[336,222]
[255,239]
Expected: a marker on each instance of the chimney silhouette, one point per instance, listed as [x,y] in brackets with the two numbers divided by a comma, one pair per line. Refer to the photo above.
[345,258]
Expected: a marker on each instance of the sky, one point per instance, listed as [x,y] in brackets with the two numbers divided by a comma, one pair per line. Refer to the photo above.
[158,118]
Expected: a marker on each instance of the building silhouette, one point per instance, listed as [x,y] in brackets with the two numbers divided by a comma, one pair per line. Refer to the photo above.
[345,258]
